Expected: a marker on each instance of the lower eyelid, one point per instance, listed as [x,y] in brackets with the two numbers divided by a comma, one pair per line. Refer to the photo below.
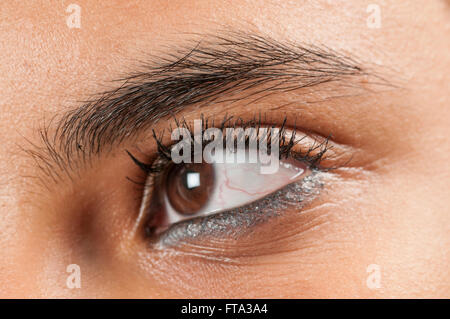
[240,221]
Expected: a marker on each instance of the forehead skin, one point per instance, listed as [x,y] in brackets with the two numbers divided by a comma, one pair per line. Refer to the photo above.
[47,66]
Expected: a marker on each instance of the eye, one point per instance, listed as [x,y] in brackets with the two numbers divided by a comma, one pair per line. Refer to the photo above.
[226,190]
[203,189]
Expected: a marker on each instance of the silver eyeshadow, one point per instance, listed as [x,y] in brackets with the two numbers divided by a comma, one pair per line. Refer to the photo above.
[238,221]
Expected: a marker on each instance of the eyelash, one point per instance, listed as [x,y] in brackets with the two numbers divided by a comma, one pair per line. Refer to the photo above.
[293,193]
[286,143]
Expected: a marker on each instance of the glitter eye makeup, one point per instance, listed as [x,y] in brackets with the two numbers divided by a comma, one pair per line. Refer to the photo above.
[223,197]
[239,220]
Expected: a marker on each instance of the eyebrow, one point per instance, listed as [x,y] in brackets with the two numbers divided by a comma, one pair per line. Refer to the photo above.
[214,70]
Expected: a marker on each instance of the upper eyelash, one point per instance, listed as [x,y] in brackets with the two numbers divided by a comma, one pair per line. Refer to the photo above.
[310,156]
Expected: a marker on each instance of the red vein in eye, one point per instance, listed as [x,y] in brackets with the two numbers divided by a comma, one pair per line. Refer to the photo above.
[228,184]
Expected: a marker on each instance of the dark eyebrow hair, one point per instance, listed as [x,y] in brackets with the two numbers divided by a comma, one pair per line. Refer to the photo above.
[214,70]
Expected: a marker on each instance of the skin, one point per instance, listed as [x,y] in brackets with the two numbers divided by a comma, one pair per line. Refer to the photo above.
[389,207]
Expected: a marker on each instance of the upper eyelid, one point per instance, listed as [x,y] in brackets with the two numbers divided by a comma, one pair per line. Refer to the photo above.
[109,119]
[288,138]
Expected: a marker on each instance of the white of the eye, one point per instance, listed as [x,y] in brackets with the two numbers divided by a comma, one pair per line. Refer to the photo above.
[238,184]
[193,180]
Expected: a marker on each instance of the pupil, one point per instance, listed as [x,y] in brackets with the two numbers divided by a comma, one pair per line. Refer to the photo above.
[189,186]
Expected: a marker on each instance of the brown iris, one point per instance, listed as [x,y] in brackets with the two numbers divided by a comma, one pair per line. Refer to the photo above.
[189,186]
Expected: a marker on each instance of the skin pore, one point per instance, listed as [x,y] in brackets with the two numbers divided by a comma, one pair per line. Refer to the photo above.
[388,206]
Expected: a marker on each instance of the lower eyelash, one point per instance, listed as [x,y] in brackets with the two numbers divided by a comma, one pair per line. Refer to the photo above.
[239,220]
